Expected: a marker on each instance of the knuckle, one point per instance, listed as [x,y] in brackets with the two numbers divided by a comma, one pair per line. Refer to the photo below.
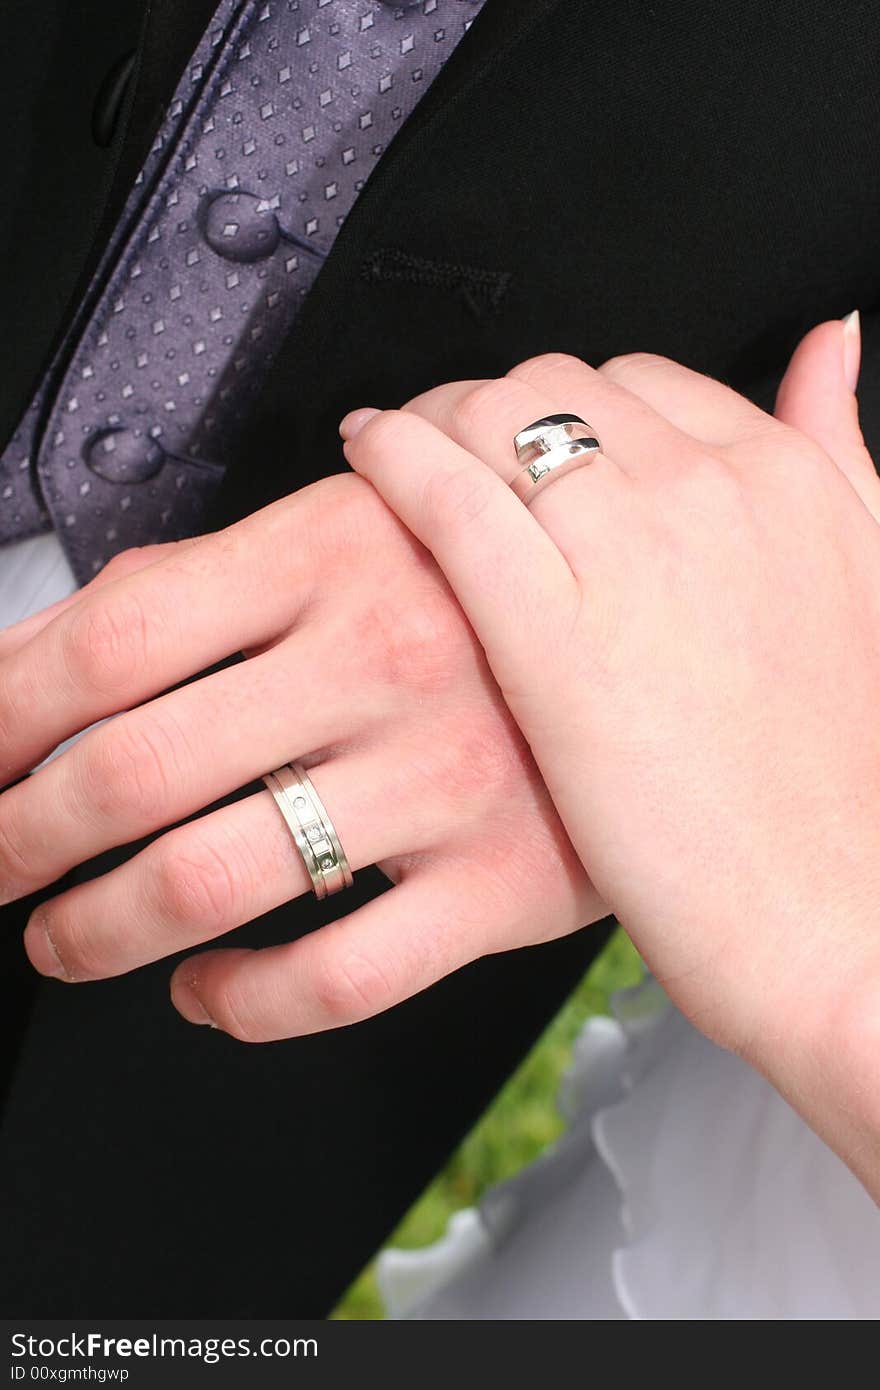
[73,942]
[481,405]
[350,986]
[201,558]
[16,707]
[802,479]
[129,769]
[198,882]
[383,433]
[630,366]
[129,561]
[106,643]
[420,645]
[482,762]
[234,1019]
[708,469]
[799,456]
[348,520]
[497,755]
[717,478]
[456,498]
[536,369]
[14,858]
[710,497]
[713,483]
[225,545]
[236,1009]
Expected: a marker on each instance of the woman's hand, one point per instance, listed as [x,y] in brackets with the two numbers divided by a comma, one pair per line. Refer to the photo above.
[687,631]
[362,663]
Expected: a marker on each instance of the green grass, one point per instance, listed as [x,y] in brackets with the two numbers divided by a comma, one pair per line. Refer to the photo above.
[517,1127]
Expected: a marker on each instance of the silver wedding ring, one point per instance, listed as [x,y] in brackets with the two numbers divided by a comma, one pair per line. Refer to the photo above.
[311,828]
[548,450]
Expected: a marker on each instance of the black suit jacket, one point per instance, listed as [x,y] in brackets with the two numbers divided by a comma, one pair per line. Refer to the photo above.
[596,177]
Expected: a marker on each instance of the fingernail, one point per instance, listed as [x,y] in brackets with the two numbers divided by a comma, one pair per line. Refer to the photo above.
[852,349]
[41,950]
[355,421]
[188,1003]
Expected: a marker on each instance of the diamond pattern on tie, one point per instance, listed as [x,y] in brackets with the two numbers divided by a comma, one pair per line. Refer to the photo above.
[282,114]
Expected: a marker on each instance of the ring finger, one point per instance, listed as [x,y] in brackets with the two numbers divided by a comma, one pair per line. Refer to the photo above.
[485,416]
[169,759]
[206,878]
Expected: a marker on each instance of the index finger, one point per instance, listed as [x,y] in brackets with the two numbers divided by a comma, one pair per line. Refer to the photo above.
[136,636]
[17,634]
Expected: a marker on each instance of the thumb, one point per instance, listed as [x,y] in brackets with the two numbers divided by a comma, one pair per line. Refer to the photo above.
[818,397]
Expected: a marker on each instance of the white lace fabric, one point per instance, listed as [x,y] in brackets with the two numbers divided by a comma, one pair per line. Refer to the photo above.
[684,1188]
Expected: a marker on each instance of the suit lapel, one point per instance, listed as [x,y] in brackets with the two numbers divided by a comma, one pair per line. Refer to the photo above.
[499,26]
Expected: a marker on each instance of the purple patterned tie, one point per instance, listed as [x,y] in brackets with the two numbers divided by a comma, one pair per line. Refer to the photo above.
[283,112]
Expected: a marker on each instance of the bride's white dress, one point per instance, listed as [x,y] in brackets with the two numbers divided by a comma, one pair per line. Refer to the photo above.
[684,1186]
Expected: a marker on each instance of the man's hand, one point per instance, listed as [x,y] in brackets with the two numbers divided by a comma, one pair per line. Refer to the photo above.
[362,664]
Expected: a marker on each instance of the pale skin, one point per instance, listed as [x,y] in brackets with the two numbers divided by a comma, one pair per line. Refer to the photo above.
[362,663]
[688,634]
[732,879]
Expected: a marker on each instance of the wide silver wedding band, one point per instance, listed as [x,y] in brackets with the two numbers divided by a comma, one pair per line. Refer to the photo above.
[548,450]
[311,828]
